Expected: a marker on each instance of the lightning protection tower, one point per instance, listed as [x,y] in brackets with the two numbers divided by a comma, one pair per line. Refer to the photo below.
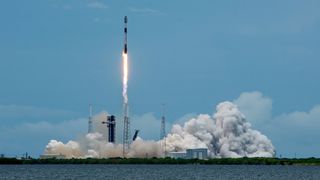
[163,124]
[163,129]
[90,125]
[126,131]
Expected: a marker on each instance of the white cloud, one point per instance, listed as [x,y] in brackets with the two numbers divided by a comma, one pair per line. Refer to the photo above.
[145,11]
[43,128]
[148,125]
[300,119]
[21,111]
[290,132]
[32,137]
[97,5]
[185,118]
[256,107]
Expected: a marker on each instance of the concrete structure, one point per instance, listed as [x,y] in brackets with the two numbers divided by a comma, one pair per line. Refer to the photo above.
[177,155]
[200,153]
[52,156]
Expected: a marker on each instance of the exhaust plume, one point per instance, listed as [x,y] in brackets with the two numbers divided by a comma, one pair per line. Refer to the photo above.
[125,78]
[225,134]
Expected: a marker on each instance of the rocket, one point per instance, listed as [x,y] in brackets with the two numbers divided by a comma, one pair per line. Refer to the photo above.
[125,50]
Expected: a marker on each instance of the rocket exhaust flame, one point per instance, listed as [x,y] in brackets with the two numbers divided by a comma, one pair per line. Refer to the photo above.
[126,121]
[125,63]
[125,78]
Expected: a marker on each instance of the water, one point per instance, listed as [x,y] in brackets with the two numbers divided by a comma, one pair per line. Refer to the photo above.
[158,172]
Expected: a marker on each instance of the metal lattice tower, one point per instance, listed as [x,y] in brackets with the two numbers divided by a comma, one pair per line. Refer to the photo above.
[126,130]
[163,130]
[90,126]
[163,124]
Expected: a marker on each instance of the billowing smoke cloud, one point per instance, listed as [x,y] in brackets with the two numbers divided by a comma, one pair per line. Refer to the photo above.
[225,134]
[94,145]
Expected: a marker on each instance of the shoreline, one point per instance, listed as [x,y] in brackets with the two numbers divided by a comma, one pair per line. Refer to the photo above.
[159,161]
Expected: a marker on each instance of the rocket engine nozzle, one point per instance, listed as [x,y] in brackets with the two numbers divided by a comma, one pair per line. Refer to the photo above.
[125,49]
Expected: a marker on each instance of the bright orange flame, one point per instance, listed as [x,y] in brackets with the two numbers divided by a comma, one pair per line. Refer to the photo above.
[125,77]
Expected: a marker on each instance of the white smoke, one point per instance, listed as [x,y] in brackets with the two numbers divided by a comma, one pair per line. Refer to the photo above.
[225,134]
[70,149]
[94,145]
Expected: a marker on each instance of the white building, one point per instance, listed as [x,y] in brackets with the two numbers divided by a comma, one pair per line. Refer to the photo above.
[199,153]
[177,155]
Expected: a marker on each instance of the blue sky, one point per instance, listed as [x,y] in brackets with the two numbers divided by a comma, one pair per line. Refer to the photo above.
[57,56]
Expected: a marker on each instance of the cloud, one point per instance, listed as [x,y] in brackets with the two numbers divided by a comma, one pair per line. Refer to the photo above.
[291,133]
[185,118]
[148,125]
[256,107]
[31,137]
[145,11]
[300,119]
[14,114]
[100,20]
[62,129]
[97,5]
[225,134]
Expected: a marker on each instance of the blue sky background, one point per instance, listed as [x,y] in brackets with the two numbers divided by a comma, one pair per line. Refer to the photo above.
[57,56]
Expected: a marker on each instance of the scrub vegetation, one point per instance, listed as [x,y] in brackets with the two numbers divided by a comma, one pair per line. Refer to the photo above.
[222,161]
